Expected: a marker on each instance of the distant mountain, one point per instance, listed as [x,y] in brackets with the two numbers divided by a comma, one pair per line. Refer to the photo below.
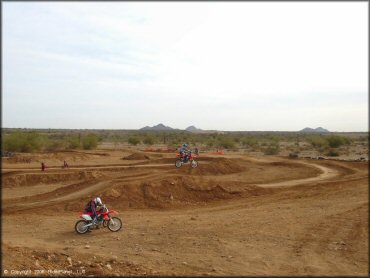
[320,129]
[193,129]
[157,127]
[316,130]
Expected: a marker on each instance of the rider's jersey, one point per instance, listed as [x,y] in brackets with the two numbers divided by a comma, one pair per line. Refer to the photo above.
[91,207]
[184,150]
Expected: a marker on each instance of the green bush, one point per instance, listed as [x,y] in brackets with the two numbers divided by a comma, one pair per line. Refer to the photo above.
[73,143]
[55,146]
[23,142]
[273,149]
[335,141]
[148,140]
[133,140]
[363,138]
[250,142]
[89,142]
[332,153]
[210,143]
[226,143]
[317,141]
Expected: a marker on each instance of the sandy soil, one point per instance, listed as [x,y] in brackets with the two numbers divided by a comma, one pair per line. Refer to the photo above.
[233,215]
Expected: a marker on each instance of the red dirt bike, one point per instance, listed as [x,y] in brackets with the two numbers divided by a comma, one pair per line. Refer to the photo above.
[104,219]
[182,159]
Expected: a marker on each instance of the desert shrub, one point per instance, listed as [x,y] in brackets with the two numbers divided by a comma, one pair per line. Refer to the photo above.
[210,143]
[273,149]
[250,142]
[148,140]
[176,141]
[23,142]
[363,138]
[317,141]
[335,141]
[55,146]
[332,153]
[73,143]
[89,142]
[133,140]
[226,143]
[273,139]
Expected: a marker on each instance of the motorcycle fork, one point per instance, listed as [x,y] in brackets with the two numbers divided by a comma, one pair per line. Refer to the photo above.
[110,219]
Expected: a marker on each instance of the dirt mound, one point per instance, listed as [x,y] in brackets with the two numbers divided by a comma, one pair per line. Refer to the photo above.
[43,178]
[175,192]
[217,166]
[284,164]
[136,156]
[163,160]
[52,156]
[19,159]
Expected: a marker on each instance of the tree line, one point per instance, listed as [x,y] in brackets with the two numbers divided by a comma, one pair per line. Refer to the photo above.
[267,142]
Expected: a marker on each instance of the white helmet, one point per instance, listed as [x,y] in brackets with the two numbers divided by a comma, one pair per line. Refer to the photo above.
[98,201]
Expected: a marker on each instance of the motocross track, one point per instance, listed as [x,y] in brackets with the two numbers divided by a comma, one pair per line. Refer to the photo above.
[233,215]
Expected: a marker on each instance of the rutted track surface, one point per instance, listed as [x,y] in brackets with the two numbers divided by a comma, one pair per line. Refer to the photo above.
[259,217]
[327,173]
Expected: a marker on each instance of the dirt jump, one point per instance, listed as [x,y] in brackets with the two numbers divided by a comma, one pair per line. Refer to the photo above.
[232,215]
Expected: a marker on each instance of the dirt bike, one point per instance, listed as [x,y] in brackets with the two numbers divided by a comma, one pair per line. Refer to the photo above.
[182,159]
[104,219]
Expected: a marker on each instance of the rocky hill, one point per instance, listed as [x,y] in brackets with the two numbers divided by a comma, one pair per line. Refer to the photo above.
[193,129]
[314,130]
[157,127]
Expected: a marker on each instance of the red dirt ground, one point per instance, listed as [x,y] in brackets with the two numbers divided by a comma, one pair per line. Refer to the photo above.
[233,215]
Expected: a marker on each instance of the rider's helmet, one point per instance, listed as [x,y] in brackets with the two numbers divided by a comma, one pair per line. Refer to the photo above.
[98,201]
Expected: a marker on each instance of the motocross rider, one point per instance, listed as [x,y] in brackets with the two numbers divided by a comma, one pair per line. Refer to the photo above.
[93,206]
[185,151]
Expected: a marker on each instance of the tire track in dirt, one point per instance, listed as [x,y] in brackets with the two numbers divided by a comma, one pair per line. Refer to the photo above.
[235,236]
[79,193]
[327,173]
[95,167]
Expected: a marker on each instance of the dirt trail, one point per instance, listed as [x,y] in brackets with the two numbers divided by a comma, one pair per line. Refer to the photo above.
[37,170]
[327,173]
[312,220]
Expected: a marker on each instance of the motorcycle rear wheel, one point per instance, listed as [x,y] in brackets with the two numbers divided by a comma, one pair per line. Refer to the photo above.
[115,224]
[178,163]
[80,227]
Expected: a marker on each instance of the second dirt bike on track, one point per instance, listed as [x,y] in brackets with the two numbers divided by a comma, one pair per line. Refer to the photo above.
[182,159]
[104,219]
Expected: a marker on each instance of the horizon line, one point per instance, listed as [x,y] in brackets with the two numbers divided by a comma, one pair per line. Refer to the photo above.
[178,129]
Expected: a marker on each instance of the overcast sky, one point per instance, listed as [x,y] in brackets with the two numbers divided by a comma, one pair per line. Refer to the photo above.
[216,65]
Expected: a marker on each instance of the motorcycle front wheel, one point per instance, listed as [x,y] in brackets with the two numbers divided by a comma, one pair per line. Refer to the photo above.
[194,163]
[114,224]
[178,163]
[81,227]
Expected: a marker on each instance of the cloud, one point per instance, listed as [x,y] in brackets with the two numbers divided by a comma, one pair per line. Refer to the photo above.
[212,63]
